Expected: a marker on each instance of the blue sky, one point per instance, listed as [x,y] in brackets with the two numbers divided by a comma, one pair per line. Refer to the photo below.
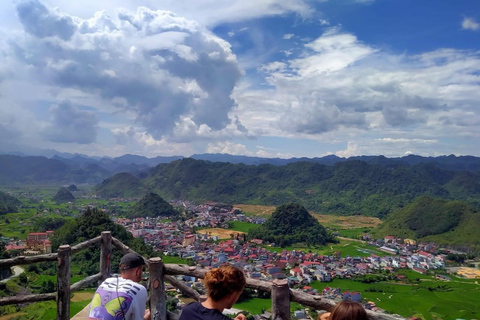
[273,78]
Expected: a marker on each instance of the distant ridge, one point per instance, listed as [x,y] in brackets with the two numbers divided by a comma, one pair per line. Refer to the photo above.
[350,187]
[80,169]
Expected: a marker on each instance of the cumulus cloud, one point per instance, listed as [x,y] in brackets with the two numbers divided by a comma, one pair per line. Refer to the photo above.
[241,150]
[162,66]
[227,147]
[470,24]
[390,147]
[41,22]
[69,124]
[288,36]
[340,85]
[130,139]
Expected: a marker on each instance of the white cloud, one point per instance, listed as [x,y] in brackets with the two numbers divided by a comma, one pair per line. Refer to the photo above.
[288,36]
[470,24]
[390,147]
[162,67]
[228,147]
[132,140]
[341,89]
[208,12]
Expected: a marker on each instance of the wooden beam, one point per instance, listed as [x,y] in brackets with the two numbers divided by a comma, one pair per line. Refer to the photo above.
[105,254]
[85,282]
[184,289]
[158,302]
[21,260]
[86,244]
[28,298]
[63,282]
[280,300]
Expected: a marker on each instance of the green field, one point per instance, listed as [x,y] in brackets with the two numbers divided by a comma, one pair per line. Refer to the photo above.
[244,226]
[429,298]
[254,305]
[345,247]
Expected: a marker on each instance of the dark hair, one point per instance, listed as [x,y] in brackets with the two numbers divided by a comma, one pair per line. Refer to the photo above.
[223,281]
[348,310]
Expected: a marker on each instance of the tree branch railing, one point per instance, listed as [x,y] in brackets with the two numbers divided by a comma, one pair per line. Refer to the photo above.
[281,294]
[64,288]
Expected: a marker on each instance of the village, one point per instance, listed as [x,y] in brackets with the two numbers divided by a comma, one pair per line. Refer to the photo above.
[299,268]
[190,238]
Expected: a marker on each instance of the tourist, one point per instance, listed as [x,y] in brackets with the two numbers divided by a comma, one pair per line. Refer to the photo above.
[224,286]
[345,310]
[122,297]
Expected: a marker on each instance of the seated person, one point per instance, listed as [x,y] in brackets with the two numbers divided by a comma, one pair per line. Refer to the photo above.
[224,286]
[345,310]
[122,298]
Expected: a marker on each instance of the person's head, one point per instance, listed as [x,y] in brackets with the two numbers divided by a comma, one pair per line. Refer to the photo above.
[131,266]
[348,310]
[225,284]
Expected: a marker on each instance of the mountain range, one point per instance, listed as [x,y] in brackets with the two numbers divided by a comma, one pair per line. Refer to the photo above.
[347,188]
[81,169]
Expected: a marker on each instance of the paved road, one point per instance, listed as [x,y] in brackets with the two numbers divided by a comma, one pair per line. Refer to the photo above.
[16,272]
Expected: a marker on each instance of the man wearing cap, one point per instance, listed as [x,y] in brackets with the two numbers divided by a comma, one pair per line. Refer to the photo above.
[122,298]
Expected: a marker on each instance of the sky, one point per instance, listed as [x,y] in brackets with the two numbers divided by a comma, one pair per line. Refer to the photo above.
[265,78]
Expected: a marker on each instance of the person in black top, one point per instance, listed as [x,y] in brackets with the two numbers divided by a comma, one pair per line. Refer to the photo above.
[224,286]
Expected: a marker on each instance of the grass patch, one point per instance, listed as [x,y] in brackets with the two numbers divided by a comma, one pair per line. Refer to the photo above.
[244,226]
[430,298]
[345,247]
[254,305]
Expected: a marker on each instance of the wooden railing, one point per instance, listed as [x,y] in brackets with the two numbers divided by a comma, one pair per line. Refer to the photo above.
[281,294]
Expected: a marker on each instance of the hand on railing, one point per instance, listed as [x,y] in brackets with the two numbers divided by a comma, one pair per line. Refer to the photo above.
[240,316]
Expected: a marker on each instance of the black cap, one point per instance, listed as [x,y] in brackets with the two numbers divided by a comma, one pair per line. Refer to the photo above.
[131,260]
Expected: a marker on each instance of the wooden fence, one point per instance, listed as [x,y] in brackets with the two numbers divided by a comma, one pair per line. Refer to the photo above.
[281,294]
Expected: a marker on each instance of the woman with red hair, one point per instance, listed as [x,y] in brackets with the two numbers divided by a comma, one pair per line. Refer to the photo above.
[346,310]
[224,286]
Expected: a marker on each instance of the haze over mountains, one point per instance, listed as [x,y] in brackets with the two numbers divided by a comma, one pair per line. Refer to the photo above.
[69,168]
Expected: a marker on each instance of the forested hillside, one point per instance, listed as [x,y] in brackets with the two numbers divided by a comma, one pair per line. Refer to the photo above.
[152,205]
[8,203]
[346,188]
[122,184]
[436,220]
[289,224]
[90,225]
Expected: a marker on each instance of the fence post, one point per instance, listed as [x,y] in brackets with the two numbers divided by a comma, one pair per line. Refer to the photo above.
[280,300]
[158,306]
[63,282]
[106,250]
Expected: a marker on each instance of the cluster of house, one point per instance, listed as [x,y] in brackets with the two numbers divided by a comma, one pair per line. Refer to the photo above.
[37,242]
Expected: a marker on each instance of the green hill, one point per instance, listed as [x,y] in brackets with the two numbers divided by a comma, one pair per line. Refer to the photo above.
[152,205]
[121,185]
[8,203]
[72,188]
[291,223]
[436,220]
[90,225]
[63,195]
[346,188]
